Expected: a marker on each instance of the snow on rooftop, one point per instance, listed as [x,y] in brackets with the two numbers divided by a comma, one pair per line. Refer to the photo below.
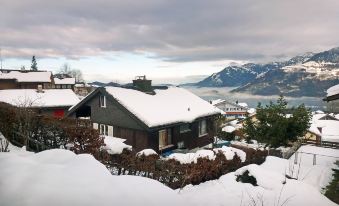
[243,104]
[228,129]
[167,106]
[60,177]
[333,90]
[217,101]
[64,81]
[32,98]
[27,76]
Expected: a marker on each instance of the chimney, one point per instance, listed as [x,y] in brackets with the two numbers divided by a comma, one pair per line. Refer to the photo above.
[40,89]
[143,84]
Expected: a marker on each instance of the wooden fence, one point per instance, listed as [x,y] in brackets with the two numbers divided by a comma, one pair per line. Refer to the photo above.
[326,144]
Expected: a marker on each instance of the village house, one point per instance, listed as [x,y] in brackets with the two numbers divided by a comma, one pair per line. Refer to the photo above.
[25,79]
[63,81]
[332,99]
[232,110]
[55,102]
[83,89]
[324,127]
[160,118]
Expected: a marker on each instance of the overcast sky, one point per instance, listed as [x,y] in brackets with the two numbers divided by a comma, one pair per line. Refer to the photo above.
[167,40]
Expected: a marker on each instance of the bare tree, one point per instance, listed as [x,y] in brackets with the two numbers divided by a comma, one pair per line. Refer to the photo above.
[3,144]
[75,73]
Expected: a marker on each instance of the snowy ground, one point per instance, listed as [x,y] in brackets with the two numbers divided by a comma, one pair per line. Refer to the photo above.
[270,190]
[59,177]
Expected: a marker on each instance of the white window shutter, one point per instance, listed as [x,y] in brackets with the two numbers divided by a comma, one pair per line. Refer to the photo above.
[110,131]
[95,125]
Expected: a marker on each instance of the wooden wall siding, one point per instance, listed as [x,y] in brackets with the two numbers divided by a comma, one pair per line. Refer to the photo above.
[138,139]
[8,84]
[111,114]
[191,138]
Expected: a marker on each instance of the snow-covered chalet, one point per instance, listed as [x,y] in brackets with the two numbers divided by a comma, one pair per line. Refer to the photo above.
[160,118]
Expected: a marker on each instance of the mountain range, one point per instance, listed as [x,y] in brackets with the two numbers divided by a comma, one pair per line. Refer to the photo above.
[310,74]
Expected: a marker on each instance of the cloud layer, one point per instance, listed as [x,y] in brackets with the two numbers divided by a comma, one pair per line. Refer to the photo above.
[174,30]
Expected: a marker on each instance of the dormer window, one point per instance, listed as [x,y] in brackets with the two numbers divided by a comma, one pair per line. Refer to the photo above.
[102,101]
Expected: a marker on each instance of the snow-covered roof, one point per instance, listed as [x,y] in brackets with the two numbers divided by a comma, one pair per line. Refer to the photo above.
[251,110]
[167,106]
[228,129]
[333,90]
[27,76]
[216,101]
[64,81]
[243,104]
[32,98]
[330,128]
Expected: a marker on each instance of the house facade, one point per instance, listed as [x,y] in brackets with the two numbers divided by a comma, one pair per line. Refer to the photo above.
[159,120]
[232,110]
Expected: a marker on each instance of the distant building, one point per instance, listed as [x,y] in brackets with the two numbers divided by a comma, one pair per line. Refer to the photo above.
[63,81]
[55,102]
[83,89]
[332,99]
[324,127]
[160,118]
[232,110]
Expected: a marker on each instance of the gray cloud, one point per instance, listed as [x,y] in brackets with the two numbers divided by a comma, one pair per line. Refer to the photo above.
[179,31]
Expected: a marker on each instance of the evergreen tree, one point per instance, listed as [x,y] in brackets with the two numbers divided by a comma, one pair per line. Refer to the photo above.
[274,127]
[34,65]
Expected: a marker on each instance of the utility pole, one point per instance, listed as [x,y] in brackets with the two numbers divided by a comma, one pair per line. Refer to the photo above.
[1,59]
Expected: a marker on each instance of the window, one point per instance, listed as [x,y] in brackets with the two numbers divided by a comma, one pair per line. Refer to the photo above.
[165,138]
[69,86]
[202,128]
[104,129]
[64,86]
[102,101]
[184,128]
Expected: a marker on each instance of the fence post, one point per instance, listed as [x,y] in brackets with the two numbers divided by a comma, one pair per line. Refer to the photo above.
[314,159]
[296,158]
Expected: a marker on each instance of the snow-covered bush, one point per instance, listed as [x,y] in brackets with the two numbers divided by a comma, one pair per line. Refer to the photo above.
[179,170]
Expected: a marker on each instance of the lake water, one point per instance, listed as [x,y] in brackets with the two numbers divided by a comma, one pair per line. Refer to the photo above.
[209,93]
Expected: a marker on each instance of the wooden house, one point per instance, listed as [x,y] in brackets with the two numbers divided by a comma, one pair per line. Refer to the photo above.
[25,79]
[160,118]
[332,99]
[232,110]
[55,102]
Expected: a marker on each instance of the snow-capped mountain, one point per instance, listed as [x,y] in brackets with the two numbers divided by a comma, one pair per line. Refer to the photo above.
[233,76]
[304,75]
